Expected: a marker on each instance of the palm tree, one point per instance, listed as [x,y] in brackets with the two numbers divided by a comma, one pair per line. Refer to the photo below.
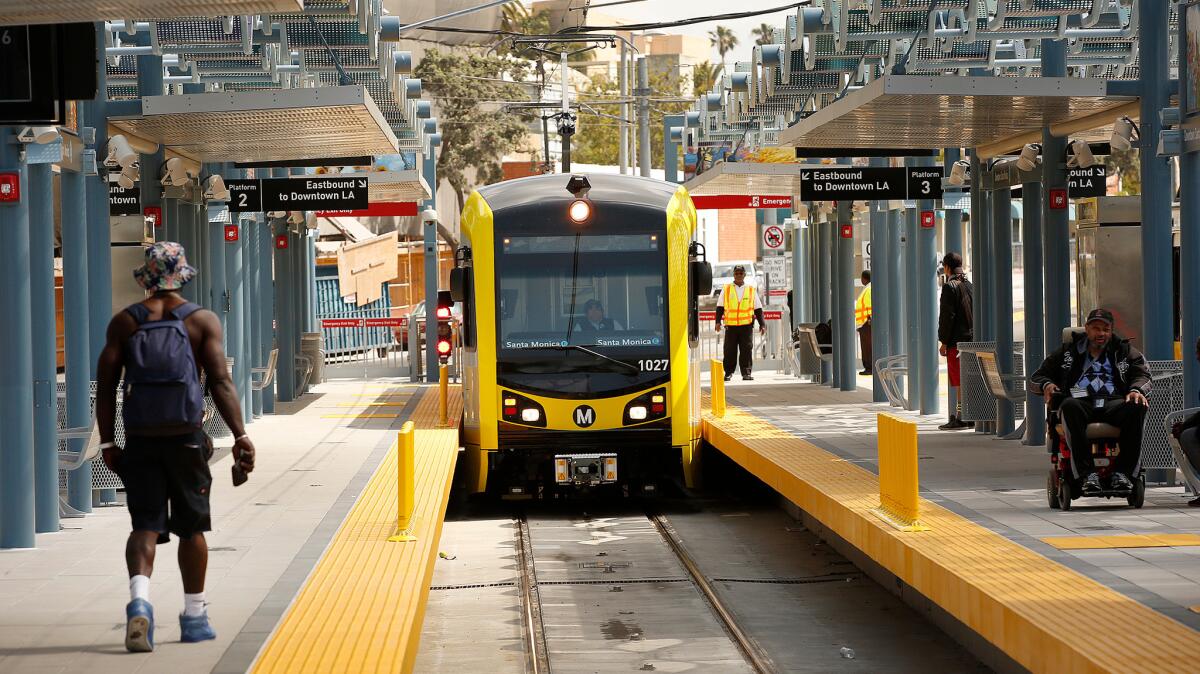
[703,75]
[724,40]
[765,33]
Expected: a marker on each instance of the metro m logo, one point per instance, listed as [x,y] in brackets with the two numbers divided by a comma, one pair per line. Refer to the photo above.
[584,416]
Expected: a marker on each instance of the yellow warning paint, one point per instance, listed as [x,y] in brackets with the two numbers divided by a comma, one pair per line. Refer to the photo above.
[1124,541]
[359,416]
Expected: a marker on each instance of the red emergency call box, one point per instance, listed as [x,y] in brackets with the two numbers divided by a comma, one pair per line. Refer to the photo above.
[231,233]
[10,188]
[1058,198]
[847,231]
[281,242]
[155,214]
[927,219]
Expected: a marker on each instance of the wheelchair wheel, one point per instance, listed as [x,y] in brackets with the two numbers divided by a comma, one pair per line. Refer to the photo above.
[1138,496]
[1064,494]
[1052,489]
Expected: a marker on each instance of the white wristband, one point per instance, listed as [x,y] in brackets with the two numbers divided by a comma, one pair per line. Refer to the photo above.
[243,435]
[107,445]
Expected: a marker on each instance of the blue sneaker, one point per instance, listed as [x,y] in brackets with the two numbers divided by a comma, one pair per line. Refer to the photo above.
[139,626]
[195,628]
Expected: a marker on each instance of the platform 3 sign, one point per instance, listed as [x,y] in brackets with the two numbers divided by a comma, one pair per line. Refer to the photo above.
[314,193]
[870,183]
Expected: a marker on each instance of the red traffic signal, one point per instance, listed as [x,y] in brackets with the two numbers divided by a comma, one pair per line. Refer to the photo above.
[443,347]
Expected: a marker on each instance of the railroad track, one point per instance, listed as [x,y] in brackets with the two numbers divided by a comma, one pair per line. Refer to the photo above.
[538,658]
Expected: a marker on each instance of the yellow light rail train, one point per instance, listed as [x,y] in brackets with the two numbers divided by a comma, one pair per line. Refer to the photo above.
[579,331]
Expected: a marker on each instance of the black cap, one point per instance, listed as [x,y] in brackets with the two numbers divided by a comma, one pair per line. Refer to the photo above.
[738,267]
[1100,315]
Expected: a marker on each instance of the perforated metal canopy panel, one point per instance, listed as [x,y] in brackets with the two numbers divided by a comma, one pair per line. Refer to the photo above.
[743,178]
[16,12]
[266,125]
[903,111]
[396,186]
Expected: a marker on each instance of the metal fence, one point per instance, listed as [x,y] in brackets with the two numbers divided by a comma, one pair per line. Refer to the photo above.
[772,351]
[978,404]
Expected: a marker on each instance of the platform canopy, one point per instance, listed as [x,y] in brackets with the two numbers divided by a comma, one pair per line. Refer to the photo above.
[72,11]
[279,125]
[397,186]
[913,111]
[748,179]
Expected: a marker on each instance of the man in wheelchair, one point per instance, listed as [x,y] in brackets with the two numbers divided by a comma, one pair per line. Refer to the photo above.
[1097,377]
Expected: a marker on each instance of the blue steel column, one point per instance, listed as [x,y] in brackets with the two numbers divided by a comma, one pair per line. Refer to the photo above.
[845,351]
[98,234]
[45,346]
[952,224]
[835,301]
[16,343]
[894,286]
[1055,222]
[912,305]
[285,308]
[80,302]
[1002,264]
[1189,246]
[310,274]
[801,266]
[266,311]
[431,269]
[824,255]
[985,284]
[248,348]
[149,81]
[977,230]
[203,277]
[880,306]
[253,305]
[671,148]
[1158,330]
[1031,221]
[927,307]
[235,333]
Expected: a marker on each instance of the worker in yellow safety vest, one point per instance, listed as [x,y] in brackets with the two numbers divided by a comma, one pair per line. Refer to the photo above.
[862,318]
[738,306]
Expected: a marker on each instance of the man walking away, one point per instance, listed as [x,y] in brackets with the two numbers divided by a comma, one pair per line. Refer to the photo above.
[955,324]
[164,464]
[739,306]
[862,317]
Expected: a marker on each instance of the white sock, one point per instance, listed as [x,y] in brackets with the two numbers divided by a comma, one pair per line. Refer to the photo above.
[139,588]
[193,604]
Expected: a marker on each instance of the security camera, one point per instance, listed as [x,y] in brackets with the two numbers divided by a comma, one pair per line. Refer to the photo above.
[120,153]
[174,172]
[275,215]
[214,189]
[1082,157]
[959,173]
[128,177]
[1029,156]
[296,218]
[1123,134]
[38,134]
[429,215]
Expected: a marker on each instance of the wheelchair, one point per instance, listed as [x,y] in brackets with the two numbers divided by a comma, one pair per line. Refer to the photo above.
[1062,486]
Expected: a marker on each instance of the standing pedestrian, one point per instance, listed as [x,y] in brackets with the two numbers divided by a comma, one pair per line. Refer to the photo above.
[955,324]
[158,343]
[738,307]
[1187,433]
[862,318]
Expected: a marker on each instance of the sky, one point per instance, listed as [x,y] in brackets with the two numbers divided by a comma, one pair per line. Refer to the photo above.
[670,10]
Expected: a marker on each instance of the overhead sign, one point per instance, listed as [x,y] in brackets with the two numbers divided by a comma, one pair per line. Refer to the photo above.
[375,210]
[1087,182]
[773,237]
[123,201]
[732,201]
[851,183]
[245,196]
[16,70]
[315,193]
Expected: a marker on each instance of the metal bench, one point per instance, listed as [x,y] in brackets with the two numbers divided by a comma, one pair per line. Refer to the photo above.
[809,351]
[1190,477]
[1010,387]
[267,373]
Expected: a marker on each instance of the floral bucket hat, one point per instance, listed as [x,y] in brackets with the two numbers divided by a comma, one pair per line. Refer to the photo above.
[166,268]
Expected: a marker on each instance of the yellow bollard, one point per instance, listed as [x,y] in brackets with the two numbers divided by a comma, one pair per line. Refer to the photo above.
[899,500]
[406,465]
[717,391]
[444,394]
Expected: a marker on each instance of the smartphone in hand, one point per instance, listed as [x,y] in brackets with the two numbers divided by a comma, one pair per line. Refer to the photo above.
[239,475]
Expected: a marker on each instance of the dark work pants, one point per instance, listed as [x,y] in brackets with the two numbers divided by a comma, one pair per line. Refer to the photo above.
[738,337]
[864,343]
[1129,417]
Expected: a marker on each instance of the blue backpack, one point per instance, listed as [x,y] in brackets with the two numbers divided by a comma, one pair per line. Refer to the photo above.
[162,383]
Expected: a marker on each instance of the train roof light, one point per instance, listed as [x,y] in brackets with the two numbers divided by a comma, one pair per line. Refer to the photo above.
[580,211]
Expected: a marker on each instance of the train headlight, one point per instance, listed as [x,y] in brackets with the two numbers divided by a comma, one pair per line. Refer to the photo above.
[530,415]
[637,412]
[580,211]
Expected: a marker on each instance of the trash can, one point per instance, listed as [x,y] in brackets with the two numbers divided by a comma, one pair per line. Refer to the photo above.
[312,346]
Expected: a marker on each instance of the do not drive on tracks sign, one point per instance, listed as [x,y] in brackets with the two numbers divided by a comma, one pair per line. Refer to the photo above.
[314,193]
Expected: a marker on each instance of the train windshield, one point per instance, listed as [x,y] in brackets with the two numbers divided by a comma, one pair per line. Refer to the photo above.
[602,291]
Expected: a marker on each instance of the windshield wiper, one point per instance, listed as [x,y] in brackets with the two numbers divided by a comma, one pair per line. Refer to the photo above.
[585,349]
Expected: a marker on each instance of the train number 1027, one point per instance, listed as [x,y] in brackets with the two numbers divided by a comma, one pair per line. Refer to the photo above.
[654,365]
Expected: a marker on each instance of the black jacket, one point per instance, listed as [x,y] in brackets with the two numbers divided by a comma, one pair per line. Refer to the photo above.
[955,321]
[1064,367]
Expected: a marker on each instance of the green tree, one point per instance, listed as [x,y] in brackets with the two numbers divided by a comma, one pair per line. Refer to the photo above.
[1126,164]
[473,135]
[703,76]
[598,138]
[724,40]
[765,34]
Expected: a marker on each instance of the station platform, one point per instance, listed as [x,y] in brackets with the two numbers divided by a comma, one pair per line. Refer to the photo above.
[1102,587]
[287,554]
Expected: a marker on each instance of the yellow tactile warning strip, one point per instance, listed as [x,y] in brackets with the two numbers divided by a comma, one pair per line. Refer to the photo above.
[362,606]
[1043,615]
[359,416]
[1126,541]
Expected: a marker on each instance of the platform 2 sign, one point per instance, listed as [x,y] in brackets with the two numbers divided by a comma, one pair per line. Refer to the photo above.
[870,183]
[315,193]
[245,196]
[1087,182]
[123,201]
